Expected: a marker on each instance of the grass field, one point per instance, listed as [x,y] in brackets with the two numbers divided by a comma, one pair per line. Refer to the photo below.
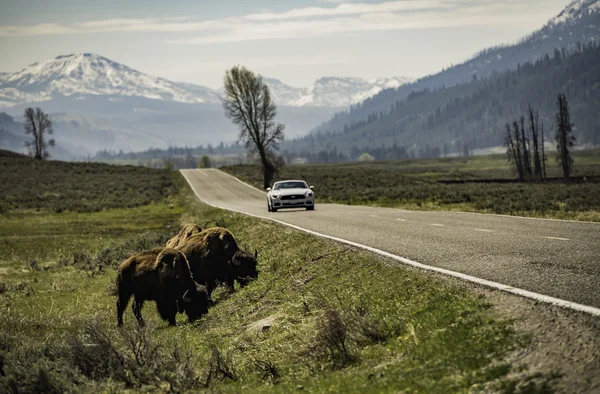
[308,323]
[78,187]
[419,185]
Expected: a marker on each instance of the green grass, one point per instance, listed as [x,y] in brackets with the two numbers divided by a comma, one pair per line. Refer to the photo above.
[78,187]
[415,184]
[322,316]
[50,238]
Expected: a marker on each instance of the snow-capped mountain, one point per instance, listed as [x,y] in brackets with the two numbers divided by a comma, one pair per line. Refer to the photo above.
[331,91]
[89,74]
[81,75]
[342,92]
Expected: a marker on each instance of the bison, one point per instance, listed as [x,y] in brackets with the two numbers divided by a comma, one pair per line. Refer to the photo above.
[186,232]
[162,275]
[215,258]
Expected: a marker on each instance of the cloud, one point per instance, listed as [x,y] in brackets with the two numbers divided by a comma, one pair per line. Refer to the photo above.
[34,30]
[349,9]
[342,18]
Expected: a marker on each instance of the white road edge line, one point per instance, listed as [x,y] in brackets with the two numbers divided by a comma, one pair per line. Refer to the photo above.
[437,225]
[473,279]
[483,230]
[557,238]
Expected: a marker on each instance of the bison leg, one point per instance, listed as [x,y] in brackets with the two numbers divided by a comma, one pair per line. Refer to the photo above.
[137,311]
[122,301]
[230,284]
[167,309]
[210,287]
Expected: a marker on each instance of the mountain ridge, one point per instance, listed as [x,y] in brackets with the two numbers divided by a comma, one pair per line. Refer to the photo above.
[91,74]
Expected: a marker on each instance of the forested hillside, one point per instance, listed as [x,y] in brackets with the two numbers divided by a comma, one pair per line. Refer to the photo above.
[577,24]
[430,123]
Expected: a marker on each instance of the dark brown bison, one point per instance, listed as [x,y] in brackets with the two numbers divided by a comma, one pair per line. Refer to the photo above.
[215,258]
[162,275]
[186,232]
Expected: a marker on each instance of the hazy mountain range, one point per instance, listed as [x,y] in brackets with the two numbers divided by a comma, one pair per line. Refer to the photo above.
[100,104]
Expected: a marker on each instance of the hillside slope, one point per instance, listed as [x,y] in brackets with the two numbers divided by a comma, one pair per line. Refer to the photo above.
[578,23]
[443,121]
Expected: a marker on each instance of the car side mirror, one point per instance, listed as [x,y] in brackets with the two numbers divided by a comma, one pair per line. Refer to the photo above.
[268,189]
[311,187]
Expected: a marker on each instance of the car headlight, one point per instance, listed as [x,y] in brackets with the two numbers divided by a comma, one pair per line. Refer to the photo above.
[275,196]
[308,194]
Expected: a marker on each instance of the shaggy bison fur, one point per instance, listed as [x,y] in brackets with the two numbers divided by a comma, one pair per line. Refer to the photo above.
[186,232]
[162,275]
[215,258]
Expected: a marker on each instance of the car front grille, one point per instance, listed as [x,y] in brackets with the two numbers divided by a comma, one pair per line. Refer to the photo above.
[293,197]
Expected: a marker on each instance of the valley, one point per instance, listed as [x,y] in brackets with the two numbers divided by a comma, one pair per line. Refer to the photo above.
[57,284]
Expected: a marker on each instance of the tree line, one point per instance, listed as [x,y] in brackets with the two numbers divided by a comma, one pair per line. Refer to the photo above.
[524,140]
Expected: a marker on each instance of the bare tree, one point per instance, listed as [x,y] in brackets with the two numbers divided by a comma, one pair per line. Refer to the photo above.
[39,125]
[534,121]
[526,150]
[513,150]
[519,145]
[544,158]
[248,104]
[564,135]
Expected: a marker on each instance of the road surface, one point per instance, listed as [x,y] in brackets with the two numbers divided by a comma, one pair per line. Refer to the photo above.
[555,258]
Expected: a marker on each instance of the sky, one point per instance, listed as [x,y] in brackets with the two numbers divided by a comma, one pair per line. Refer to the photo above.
[296,41]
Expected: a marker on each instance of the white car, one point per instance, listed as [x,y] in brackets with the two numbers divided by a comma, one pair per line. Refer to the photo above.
[290,194]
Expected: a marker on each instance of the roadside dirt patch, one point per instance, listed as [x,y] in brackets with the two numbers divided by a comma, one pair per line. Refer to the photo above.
[564,342]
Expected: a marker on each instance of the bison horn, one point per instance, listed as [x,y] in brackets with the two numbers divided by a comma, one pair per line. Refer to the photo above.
[185,297]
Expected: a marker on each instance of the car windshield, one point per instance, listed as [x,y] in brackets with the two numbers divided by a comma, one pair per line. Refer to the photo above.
[290,185]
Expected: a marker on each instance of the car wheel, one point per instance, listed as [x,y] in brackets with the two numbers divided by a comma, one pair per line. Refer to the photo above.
[310,208]
[268,206]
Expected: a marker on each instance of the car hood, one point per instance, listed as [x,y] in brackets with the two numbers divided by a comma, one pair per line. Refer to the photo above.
[289,192]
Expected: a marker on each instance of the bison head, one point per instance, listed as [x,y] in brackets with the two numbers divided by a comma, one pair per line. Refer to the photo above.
[195,302]
[243,266]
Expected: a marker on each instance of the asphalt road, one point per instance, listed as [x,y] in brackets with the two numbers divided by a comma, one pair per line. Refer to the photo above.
[555,258]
